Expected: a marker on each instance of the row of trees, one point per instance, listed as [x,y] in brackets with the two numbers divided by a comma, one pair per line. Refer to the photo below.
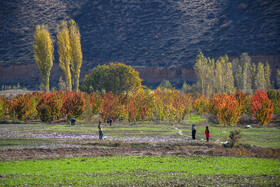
[69,50]
[144,104]
[223,76]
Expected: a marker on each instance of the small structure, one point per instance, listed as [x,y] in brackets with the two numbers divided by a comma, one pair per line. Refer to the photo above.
[72,121]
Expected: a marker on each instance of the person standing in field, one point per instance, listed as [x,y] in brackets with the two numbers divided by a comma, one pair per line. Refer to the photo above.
[100,131]
[207,133]
[193,131]
[111,121]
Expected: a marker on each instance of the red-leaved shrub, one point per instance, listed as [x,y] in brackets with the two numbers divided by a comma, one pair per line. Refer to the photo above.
[226,107]
[262,107]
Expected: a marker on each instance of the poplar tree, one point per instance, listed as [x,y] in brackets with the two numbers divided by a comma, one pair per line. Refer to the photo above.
[219,78]
[43,53]
[267,74]
[278,78]
[76,52]
[260,81]
[246,78]
[200,69]
[238,78]
[64,51]
[209,76]
[229,80]
[253,73]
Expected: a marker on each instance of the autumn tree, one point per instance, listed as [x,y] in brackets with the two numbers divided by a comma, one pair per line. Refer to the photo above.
[76,52]
[73,104]
[229,80]
[49,106]
[274,96]
[260,81]
[23,106]
[43,53]
[238,78]
[201,104]
[139,105]
[64,51]
[278,78]
[253,77]
[262,107]
[267,74]
[226,107]
[109,107]
[200,69]
[3,107]
[116,77]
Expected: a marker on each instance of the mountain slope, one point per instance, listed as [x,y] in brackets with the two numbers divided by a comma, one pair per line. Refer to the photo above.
[149,33]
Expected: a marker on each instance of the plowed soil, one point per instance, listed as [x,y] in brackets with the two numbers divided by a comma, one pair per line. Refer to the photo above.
[209,149]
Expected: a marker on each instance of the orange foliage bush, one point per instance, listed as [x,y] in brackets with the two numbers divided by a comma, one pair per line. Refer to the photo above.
[73,104]
[201,104]
[244,100]
[23,106]
[262,107]
[226,107]
[49,106]
[109,107]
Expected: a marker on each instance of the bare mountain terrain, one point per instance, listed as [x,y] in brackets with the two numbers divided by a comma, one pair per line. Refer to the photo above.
[161,38]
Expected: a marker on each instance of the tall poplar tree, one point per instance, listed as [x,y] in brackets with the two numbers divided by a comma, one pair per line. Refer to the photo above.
[229,80]
[43,53]
[253,74]
[219,78]
[238,78]
[246,78]
[267,74]
[76,51]
[260,81]
[200,69]
[64,51]
[278,78]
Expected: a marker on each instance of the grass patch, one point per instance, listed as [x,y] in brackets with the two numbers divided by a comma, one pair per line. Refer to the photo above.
[160,171]
[25,142]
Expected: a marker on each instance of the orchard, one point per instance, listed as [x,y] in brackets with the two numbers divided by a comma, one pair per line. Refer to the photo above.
[161,104]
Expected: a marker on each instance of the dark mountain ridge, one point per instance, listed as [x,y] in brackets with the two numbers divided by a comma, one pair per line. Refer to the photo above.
[156,33]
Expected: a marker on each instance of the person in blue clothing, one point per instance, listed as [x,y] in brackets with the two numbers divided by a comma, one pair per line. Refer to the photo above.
[193,131]
[100,131]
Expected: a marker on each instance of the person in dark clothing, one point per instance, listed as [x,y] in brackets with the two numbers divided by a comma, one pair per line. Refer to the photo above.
[111,121]
[100,131]
[193,131]
[207,133]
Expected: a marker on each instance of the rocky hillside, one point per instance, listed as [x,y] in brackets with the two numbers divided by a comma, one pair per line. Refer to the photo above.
[146,33]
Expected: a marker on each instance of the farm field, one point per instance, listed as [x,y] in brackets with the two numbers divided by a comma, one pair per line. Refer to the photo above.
[142,170]
[144,153]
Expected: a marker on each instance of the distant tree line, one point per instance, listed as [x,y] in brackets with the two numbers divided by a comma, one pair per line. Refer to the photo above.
[222,76]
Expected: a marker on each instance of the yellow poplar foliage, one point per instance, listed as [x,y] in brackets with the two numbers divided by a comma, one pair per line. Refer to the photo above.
[43,53]
[76,52]
[64,51]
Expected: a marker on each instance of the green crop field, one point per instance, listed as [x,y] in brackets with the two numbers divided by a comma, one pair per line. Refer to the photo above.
[142,170]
